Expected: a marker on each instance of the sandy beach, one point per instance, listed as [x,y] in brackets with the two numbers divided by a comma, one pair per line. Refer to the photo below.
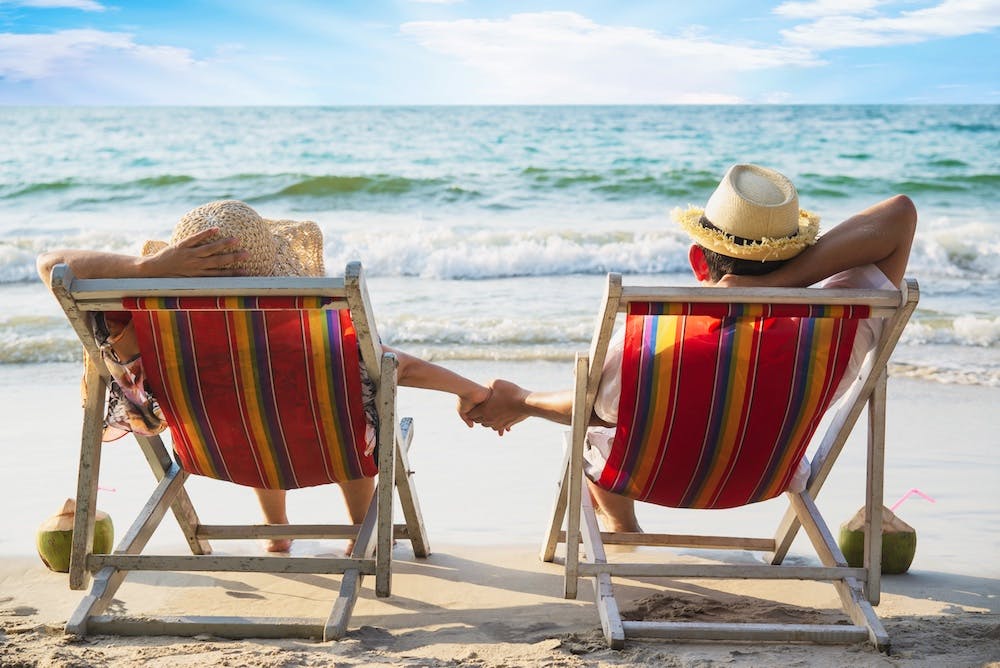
[483,598]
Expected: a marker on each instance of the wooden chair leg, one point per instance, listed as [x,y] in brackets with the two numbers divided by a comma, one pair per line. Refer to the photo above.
[350,586]
[849,590]
[874,490]
[386,400]
[579,434]
[604,595]
[416,529]
[108,580]
[548,552]
[88,476]
[160,461]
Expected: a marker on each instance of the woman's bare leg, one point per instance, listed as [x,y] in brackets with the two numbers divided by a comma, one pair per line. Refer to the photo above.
[358,497]
[272,504]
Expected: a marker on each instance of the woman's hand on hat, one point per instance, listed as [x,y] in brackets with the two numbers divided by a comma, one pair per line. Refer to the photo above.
[196,255]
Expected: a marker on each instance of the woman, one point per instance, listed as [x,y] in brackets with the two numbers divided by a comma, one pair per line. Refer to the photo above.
[229,238]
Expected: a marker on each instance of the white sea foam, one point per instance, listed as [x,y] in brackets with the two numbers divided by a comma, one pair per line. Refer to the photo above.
[968,251]
[445,252]
[966,330]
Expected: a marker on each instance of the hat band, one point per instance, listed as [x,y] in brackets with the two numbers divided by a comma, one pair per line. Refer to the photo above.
[739,241]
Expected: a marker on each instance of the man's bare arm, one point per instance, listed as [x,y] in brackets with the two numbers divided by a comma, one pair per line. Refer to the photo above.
[881,235]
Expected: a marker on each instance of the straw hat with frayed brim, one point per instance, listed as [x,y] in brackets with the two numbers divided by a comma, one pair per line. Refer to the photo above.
[753,215]
[273,247]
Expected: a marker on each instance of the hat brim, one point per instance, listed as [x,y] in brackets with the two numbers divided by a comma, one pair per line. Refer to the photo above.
[299,248]
[767,249]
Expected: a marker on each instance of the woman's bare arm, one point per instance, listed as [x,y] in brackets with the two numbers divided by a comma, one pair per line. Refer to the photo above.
[191,256]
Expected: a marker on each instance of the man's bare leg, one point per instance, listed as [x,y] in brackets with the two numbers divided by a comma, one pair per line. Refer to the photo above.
[272,504]
[617,512]
[358,497]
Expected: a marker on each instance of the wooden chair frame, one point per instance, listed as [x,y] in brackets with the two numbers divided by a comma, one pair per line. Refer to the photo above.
[373,537]
[858,588]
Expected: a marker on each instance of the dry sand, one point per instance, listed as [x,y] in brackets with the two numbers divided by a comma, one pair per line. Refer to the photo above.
[491,607]
[475,604]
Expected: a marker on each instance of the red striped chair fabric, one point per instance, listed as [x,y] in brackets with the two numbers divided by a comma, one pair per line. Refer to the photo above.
[719,401]
[260,391]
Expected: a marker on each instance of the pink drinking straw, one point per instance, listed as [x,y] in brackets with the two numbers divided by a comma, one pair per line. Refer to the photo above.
[912,492]
[112,489]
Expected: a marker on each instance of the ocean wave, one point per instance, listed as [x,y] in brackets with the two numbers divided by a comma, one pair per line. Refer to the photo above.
[527,186]
[946,374]
[378,184]
[35,339]
[973,127]
[620,182]
[948,162]
[984,183]
[970,250]
[965,330]
[444,253]
[403,246]
[43,187]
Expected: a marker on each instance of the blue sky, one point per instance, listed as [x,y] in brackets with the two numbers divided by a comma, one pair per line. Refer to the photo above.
[253,52]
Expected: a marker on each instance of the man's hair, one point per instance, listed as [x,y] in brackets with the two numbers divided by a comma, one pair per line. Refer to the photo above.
[719,265]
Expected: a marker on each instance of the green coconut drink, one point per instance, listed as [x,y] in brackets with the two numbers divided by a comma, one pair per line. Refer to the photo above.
[55,537]
[899,542]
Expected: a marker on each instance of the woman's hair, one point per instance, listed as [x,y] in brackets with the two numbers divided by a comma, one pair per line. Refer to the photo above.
[719,265]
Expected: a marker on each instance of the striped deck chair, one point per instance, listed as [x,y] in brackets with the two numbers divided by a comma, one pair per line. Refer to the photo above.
[259,380]
[722,392]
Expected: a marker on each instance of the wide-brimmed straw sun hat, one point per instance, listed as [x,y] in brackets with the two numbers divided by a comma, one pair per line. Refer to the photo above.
[273,247]
[753,214]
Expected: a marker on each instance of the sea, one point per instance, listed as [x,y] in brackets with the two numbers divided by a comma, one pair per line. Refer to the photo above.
[486,232]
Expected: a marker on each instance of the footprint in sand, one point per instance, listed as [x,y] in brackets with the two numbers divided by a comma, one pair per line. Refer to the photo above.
[18,611]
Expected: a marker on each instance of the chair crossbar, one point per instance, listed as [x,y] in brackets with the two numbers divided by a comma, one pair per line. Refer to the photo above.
[724,571]
[315,531]
[878,299]
[730,632]
[248,564]
[235,628]
[683,540]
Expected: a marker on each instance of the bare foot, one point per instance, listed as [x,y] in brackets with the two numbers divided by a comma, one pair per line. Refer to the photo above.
[628,524]
[278,545]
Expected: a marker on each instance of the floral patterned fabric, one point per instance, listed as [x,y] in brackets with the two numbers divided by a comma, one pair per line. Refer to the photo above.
[131,408]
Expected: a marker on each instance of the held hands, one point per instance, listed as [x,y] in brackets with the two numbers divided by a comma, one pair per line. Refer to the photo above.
[468,401]
[501,410]
[196,256]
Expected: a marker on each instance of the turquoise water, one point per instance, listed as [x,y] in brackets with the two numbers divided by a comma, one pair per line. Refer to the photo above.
[486,231]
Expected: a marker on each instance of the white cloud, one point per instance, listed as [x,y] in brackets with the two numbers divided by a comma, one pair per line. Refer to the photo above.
[563,57]
[37,56]
[950,18]
[818,8]
[85,5]
[97,67]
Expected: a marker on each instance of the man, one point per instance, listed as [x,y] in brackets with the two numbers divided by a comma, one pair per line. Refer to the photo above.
[751,233]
